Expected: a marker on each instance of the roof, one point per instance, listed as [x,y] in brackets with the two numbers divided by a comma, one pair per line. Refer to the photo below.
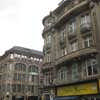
[24,51]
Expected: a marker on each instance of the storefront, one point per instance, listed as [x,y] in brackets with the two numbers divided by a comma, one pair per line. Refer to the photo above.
[48,94]
[88,90]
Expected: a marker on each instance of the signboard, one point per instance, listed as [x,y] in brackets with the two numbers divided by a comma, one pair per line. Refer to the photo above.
[79,89]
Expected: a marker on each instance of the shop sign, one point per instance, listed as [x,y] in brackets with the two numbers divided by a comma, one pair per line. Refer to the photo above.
[99,84]
[79,89]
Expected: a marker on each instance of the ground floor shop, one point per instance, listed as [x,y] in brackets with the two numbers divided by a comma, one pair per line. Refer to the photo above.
[12,97]
[84,90]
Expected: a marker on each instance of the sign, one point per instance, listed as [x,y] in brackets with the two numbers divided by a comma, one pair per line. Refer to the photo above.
[79,89]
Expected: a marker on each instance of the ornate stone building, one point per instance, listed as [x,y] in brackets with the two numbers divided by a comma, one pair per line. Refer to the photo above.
[19,74]
[71,36]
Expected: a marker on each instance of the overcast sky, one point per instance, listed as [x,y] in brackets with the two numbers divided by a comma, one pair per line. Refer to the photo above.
[21,22]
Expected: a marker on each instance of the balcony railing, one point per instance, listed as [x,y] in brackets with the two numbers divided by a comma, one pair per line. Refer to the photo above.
[71,10]
[71,34]
[76,54]
[85,27]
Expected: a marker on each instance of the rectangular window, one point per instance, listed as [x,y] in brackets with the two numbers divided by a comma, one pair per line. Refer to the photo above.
[91,67]
[49,39]
[63,51]
[85,19]
[75,71]
[72,27]
[62,34]
[74,46]
[62,74]
[87,42]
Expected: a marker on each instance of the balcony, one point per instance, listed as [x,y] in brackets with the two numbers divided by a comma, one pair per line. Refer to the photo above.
[73,9]
[85,27]
[71,35]
[47,66]
[76,54]
[46,29]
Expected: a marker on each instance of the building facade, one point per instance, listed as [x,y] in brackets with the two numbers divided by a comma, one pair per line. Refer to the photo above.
[71,36]
[19,74]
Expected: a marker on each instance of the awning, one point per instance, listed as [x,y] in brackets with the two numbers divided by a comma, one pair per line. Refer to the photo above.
[66,98]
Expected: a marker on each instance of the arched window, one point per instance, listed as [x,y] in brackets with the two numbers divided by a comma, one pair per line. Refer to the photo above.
[20,67]
[33,68]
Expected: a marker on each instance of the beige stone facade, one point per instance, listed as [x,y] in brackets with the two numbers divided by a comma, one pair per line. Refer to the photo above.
[71,43]
[19,74]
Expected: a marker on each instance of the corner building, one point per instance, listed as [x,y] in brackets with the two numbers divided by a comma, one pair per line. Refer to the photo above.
[19,74]
[71,64]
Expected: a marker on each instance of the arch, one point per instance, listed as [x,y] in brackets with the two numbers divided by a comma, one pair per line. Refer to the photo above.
[20,67]
[33,68]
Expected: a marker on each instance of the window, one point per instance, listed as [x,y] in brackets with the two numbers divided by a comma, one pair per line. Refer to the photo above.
[62,35]
[20,67]
[46,78]
[74,46]
[8,87]
[62,73]
[63,51]
[91,67]
[18,56]
[15,55]
[85,19]
[87,42]
[48,58]
[72,27]
[11,56]
[19,88]
[33,68]
[49,40]
[14,88]
[31,58]
[75,71]
[44,42]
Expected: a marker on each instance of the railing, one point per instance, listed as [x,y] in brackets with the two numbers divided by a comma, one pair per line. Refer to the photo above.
[85,27]
[73,5]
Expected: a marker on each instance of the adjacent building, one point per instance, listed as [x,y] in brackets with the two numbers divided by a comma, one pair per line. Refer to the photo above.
[19,74]
[71,65]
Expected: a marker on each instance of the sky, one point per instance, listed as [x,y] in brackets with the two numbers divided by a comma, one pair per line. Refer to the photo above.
[21,23]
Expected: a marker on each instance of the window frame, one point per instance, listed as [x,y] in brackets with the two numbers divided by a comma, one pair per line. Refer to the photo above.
[92,67]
